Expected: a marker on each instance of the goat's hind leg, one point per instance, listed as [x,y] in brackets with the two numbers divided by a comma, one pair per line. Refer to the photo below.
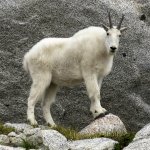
[47,101]
[37,91]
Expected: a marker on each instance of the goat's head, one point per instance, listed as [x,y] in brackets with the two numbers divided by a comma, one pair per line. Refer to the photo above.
[113,35]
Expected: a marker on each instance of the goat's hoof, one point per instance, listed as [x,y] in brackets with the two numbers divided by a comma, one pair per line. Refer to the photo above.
[106,113]
[32,123]
[51,125]
[100,116]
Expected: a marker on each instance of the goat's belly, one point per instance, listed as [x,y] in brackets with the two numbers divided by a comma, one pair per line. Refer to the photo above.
[66,78]
[66,82]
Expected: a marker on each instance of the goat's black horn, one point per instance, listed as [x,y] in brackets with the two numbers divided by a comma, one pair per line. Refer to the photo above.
[119,25]
[110,22]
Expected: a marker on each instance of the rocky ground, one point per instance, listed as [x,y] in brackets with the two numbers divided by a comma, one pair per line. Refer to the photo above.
[44,138]
[125,92]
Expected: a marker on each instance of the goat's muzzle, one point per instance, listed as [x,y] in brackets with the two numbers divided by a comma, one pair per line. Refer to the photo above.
[113,49]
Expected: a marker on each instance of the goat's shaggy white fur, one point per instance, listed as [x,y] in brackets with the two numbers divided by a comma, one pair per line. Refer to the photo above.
[54,62]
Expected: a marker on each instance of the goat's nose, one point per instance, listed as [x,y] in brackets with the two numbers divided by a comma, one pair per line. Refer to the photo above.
[113,48]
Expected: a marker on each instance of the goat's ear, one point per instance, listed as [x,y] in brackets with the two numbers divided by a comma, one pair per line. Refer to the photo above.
[105,27]
[123,29]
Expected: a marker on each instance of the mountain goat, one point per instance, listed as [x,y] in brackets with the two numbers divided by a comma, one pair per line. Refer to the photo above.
[86,56]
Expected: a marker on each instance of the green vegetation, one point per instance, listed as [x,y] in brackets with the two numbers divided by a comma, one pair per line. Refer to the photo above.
[28,145]
[5,130]
[124,140]
[71,134]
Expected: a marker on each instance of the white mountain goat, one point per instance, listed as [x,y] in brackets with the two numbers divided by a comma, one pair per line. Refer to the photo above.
[86,56]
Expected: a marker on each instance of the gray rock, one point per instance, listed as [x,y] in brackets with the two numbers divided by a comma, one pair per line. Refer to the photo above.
[105,125]
[17,140]
[125,92]
[142,144]
[19,127]
[10,148]
[42,127]
[35,138]
[144,133]
[93,144]
[12,134]
[4,139]
[54,140]
[29,132]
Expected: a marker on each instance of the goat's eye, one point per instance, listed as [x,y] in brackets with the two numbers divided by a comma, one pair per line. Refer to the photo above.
[107,33]
[120,35]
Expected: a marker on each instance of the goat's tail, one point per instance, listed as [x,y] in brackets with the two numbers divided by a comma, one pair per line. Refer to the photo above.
[25,64]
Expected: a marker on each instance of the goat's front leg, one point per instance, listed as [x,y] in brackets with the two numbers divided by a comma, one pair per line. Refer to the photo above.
[93,90]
